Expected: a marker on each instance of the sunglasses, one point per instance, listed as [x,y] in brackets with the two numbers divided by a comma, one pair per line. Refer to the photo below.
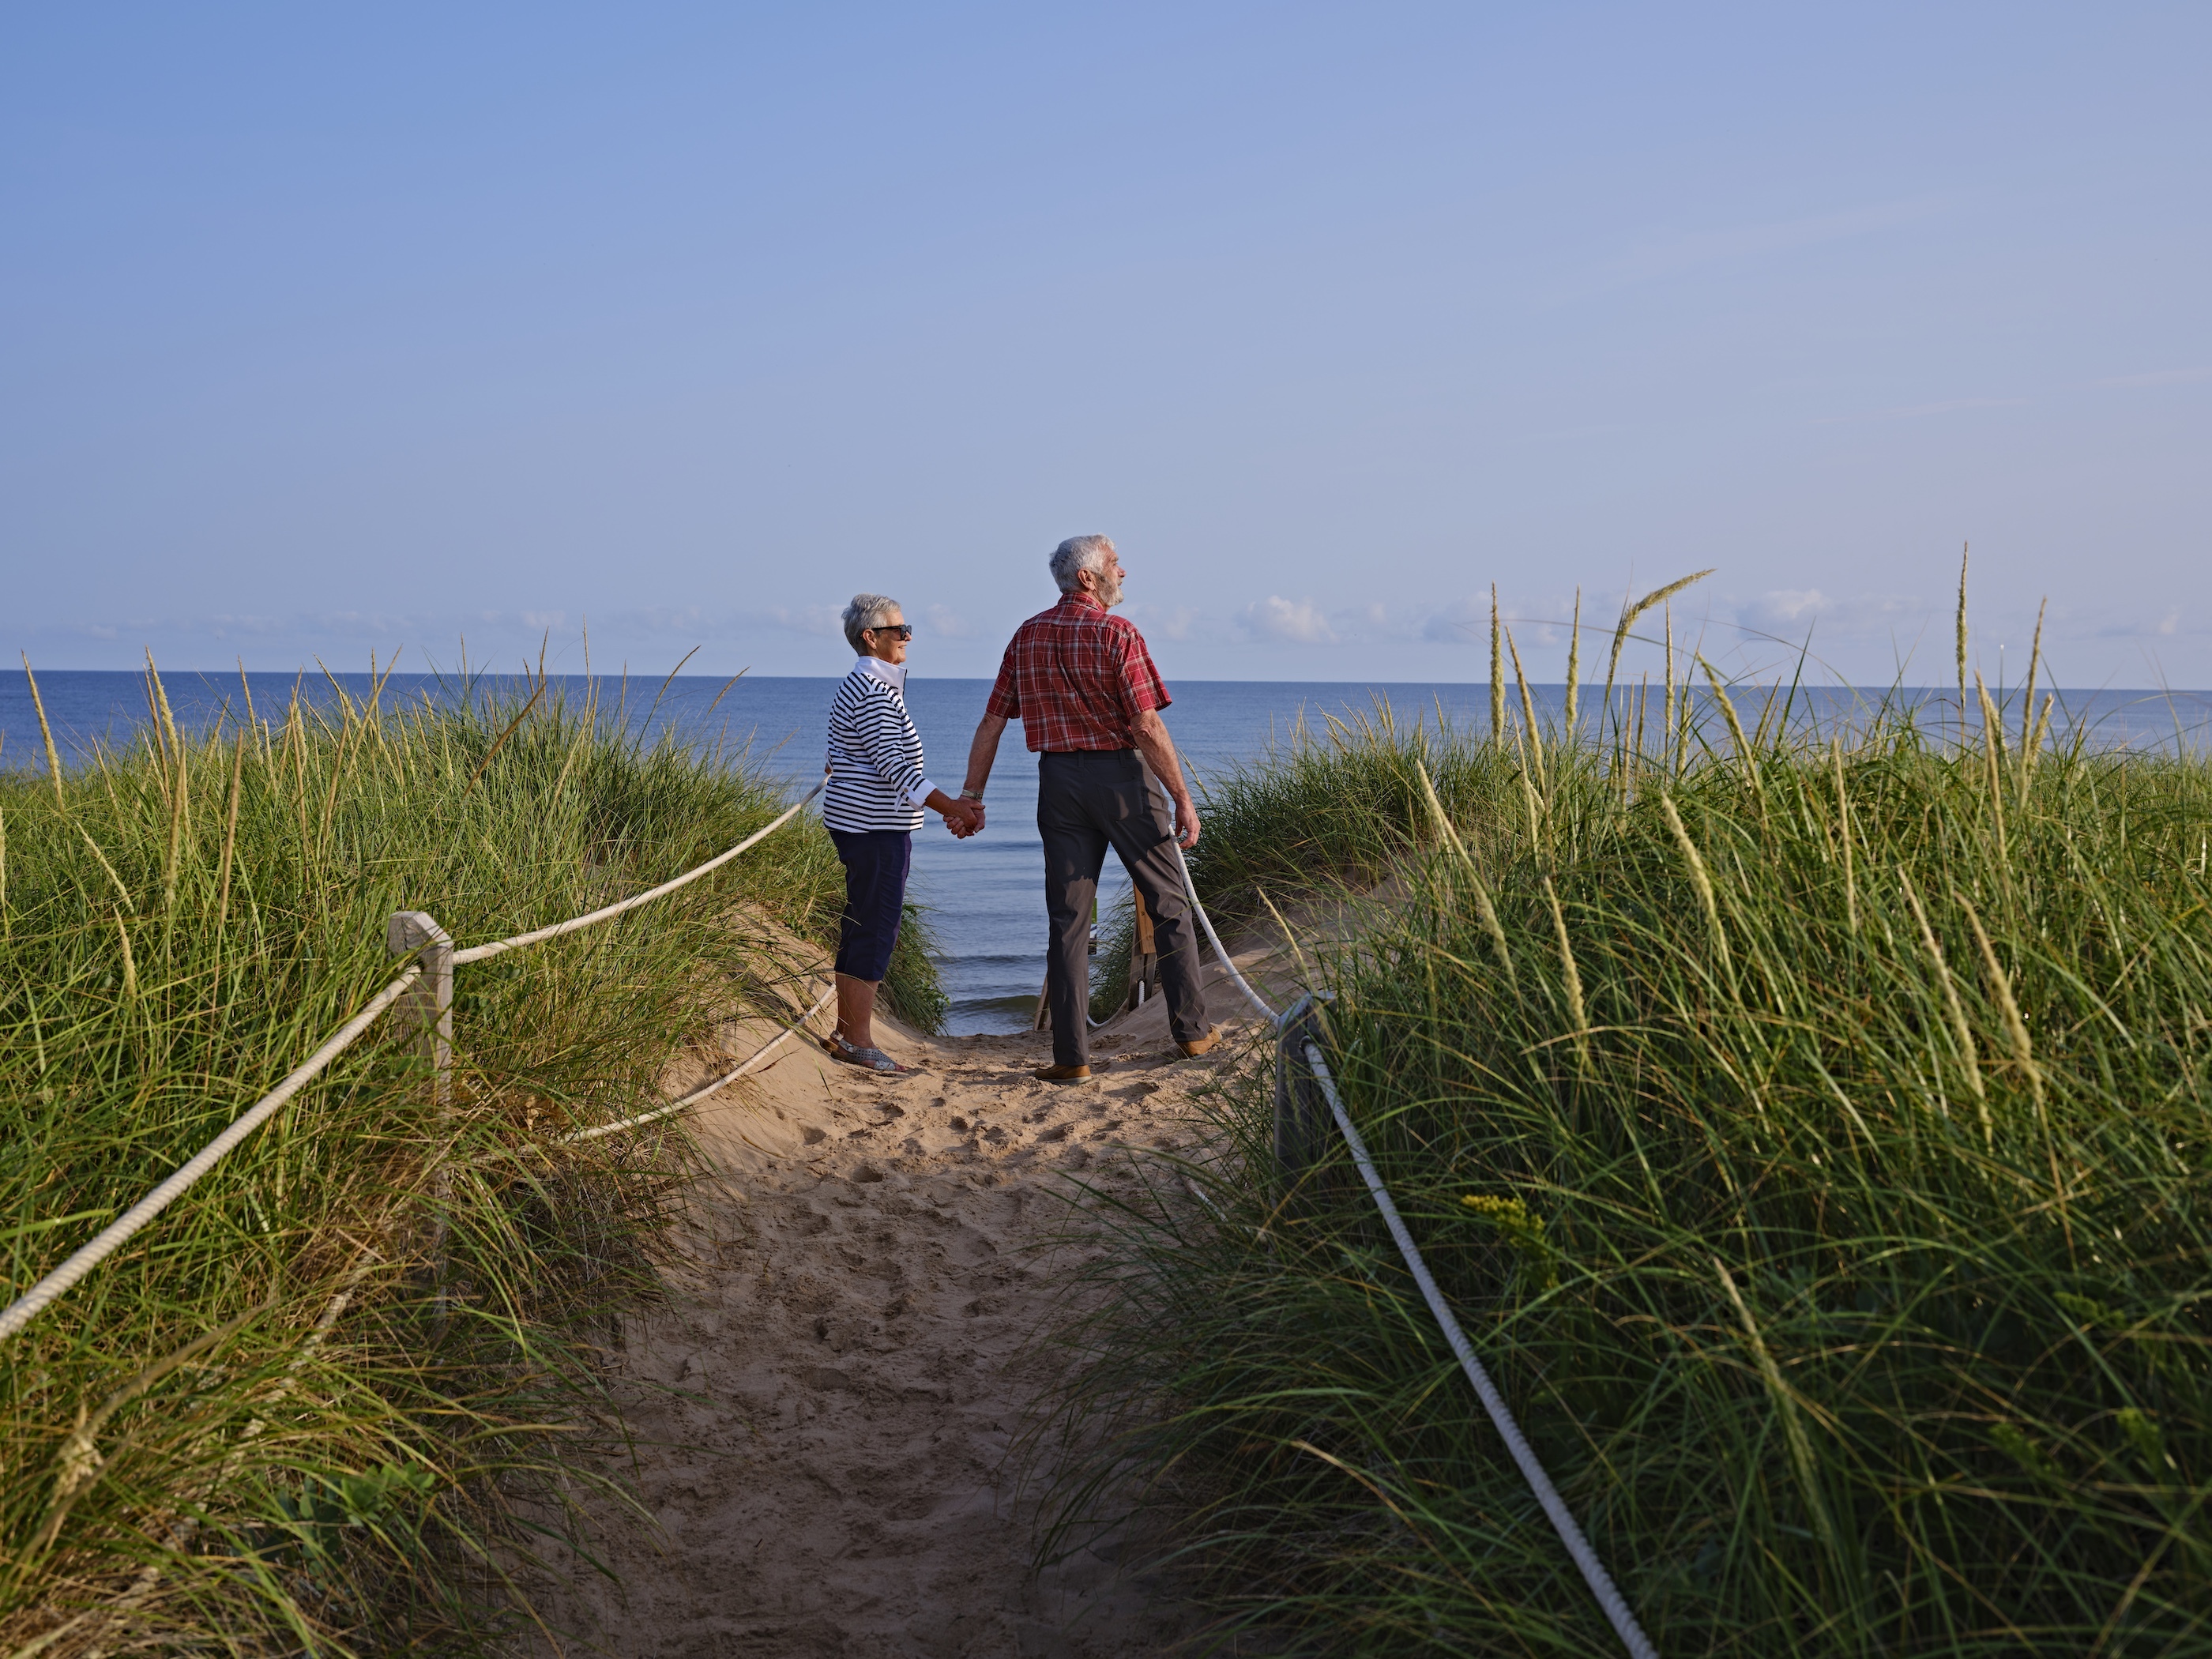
[904,630]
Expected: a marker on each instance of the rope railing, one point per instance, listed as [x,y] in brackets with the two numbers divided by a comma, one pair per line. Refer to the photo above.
[704,1090]
[411,931]
[119,1231]
[1586,1559]
[538,936]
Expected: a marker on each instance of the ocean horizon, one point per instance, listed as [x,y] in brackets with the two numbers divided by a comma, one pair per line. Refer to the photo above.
[984,896]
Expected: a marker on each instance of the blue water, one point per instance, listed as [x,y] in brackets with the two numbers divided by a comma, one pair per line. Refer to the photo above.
[985,895]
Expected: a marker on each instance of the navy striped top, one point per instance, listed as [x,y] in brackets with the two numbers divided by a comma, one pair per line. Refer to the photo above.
[876,780]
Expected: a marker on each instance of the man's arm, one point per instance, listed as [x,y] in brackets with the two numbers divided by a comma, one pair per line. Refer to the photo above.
[1158,750]
[983,751]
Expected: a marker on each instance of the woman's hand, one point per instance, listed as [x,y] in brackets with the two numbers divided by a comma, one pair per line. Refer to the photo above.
[962,817]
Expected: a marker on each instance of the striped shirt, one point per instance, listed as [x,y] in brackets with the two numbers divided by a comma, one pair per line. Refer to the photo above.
[876,780]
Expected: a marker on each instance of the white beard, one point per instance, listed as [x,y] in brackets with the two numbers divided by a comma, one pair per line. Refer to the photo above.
[1110,595]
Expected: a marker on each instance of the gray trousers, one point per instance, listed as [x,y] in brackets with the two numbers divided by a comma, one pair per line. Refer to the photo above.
[1088,800]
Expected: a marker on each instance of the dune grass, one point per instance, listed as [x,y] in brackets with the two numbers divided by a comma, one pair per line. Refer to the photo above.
[324,1403]
[1811,1130]
[1331,809]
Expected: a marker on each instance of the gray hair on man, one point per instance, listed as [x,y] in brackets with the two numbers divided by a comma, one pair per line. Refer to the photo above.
[1076,555]
[866,610]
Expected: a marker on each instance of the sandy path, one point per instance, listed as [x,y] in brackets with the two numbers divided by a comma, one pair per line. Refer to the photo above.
[826,1405]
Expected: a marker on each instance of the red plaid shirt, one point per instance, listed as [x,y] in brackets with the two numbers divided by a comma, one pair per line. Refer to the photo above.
[1075,677]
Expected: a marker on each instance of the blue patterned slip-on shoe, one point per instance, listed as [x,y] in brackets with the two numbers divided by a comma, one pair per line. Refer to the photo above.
[868,1060]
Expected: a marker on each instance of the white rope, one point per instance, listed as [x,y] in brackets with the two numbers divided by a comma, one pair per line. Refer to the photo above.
[479,952]
[1601,1582]
[113,1237]
[57,1283]
[700,1094]
[1563,1521]
[1219,950]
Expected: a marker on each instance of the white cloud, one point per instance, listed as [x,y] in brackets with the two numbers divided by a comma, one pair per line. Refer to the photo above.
[1791,612]
[1292,622]
[1785,605]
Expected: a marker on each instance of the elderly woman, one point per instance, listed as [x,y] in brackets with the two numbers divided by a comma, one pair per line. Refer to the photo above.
[873,807]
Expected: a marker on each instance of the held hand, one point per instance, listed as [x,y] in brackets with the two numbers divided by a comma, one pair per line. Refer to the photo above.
[962,817]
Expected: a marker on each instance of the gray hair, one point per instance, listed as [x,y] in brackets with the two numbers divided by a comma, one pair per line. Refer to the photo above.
[866,610]
[1077,554]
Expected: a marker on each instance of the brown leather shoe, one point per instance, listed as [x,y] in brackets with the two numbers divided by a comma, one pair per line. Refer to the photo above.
[1066,1073]
[1198,1046]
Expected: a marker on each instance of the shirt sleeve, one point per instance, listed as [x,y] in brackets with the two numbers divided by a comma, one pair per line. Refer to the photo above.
[1006,701]
[1141,683]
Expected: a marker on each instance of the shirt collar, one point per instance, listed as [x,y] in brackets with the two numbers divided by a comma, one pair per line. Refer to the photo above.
[1087,599]
[892,674]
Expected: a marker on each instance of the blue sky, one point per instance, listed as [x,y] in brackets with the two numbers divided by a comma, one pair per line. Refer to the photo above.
[328,331]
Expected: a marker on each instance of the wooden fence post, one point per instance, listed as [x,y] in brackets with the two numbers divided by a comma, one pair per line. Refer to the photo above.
[429,1008]
[428,1011]
[1144,956]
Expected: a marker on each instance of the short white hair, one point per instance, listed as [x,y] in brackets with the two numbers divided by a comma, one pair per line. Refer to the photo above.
[1077,554]
[866,610]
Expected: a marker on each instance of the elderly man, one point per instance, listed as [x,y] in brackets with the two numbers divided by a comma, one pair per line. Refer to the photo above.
[1085,690]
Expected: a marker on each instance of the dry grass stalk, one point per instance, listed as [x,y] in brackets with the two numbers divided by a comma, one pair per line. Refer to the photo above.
[230,837]
[1961,635]
[1527,704]
[2023,1050]
[1574,662]
[2000,982]
[1785,1403]
[1743,747]
[1844,827]
[1628,616]
[1969,1056]
[2028,697]
[1497,674]
[1993,766]
[500,742]
[1487,910]
[177,804]
[1698,877]
[1569,973]
[46,732]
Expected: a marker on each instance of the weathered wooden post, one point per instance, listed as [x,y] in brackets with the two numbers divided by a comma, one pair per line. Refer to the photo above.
[429,1008]
[428,1011]
[1144,956]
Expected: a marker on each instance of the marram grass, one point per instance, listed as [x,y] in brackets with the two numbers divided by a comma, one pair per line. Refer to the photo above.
[1817,1147]
[325,1401]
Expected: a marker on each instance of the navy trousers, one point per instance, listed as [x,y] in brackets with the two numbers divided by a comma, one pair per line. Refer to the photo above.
[877,862]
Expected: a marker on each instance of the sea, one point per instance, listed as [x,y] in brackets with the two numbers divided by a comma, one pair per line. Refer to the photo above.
[984,895]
